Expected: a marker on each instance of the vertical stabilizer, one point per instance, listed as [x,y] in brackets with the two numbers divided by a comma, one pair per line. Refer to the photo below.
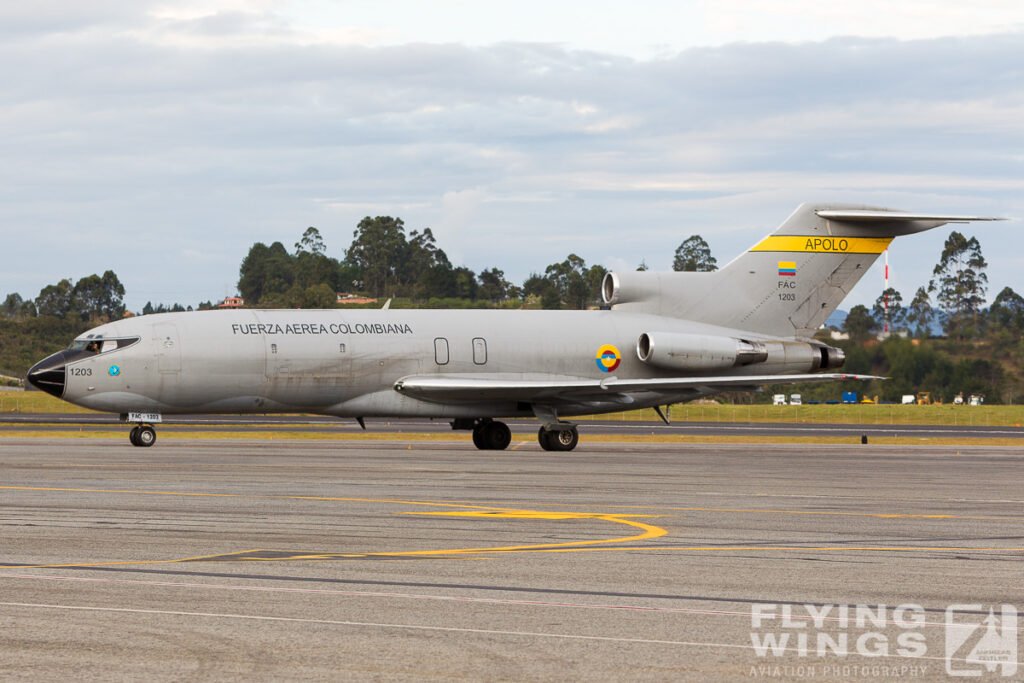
[787,284]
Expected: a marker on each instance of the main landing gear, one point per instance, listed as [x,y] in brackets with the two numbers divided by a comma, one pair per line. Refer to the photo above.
[562,438]
[489,435]
[142,435]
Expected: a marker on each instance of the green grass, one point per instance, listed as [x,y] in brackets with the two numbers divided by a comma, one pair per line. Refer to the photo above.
[994,416]
[860,413]
[35,402]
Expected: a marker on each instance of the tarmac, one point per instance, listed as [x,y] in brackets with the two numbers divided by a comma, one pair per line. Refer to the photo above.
[319,424]
[401,560]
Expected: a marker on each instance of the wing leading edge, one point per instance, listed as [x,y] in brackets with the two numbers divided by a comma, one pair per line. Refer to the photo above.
[514,388]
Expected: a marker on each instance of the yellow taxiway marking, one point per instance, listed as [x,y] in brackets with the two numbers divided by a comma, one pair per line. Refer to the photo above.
[479,510]
[476,510]
[772,511]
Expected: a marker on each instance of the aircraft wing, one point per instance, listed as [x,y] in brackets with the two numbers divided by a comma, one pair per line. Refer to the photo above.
[514,387]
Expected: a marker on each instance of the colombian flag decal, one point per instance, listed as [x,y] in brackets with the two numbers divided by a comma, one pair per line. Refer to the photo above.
[608,358]
[787,268]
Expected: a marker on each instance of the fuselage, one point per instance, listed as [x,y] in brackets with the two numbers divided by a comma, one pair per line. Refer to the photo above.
[346,362]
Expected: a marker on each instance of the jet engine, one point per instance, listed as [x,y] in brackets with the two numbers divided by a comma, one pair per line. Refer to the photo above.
[620,288]
[697,352]
[677,351]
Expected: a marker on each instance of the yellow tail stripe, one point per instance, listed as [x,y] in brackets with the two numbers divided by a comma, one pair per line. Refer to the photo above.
[824,245]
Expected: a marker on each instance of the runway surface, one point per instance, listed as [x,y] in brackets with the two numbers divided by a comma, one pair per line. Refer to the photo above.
[241,424]
[234,560]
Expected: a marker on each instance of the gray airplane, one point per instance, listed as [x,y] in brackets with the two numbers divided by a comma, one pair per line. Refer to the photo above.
[662,338]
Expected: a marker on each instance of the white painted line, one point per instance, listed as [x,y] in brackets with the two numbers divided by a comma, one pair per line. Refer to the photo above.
[453,598]
[440,629]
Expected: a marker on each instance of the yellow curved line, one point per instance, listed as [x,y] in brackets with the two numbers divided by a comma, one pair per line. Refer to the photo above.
[649,531]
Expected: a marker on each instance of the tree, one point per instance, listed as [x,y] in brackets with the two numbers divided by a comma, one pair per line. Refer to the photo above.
[465,283]
[311,242]
[377,249]
[493,285]
[55,300]
[319,296]
[99,298]
[265,271]
[959,281]
[920,314]
[694,254]
[888,310]
[422,265]
[1004,322]
[12,306]
[540,287]
[859,324]
[567,279]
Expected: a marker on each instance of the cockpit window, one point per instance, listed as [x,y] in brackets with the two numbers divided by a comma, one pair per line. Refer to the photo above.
[100,344]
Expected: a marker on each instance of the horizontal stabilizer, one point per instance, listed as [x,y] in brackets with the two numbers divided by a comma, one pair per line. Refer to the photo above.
[867,216]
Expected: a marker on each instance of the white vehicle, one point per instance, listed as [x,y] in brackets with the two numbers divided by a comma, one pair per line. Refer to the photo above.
[908,399]
[779,399]
[977,400]
[795,400]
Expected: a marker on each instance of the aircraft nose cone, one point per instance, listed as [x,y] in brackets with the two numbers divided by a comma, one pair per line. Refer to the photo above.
[49,374]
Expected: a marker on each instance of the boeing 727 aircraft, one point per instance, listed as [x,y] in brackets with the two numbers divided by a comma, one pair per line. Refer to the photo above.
[663,338]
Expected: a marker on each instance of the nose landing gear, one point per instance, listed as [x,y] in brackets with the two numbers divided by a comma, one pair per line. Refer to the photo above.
[142,435]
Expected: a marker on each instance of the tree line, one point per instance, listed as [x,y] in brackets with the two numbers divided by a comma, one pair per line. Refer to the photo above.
[384,260]
[959,285]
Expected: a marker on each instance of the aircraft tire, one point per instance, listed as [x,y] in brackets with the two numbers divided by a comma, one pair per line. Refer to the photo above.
[146,436]
[558,439]
[566,439]
[133,436]
[478,438]
[496,436]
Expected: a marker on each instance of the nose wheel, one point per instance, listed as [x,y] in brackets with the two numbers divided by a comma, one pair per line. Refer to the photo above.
[142,435]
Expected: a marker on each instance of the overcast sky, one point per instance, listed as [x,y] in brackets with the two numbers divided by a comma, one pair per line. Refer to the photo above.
[161,140]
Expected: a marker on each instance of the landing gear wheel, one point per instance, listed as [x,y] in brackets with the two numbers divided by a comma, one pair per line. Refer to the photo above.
[492,436]
[558,439]
[133,435]
[145,437]
[497,436]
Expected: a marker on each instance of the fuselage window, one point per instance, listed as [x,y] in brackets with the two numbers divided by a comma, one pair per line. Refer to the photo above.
[341,348]
[479,350]
[273,348]
[441,351]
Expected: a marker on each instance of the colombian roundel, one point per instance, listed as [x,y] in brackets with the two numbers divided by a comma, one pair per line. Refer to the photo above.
[608,358]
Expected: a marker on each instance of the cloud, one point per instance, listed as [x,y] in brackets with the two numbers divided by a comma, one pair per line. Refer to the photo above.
[137,139]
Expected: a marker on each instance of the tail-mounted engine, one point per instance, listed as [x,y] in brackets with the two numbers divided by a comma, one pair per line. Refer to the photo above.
[697,352]
[675,351]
